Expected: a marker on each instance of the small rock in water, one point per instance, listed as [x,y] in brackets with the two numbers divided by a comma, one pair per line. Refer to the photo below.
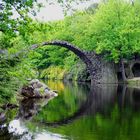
[37,89]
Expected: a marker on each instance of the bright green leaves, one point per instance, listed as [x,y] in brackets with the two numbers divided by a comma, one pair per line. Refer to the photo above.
[115,29]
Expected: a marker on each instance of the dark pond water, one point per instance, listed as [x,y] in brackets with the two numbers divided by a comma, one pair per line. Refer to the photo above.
[80,112]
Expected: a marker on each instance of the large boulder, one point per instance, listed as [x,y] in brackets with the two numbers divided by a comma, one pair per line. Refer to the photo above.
[37,89]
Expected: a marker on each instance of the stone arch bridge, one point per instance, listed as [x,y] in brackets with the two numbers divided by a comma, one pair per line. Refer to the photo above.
[100,71]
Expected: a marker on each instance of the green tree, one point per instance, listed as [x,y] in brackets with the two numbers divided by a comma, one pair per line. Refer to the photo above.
[114,30]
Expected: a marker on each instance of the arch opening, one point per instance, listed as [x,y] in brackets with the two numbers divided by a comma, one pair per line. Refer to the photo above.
[136,69]
[77,51]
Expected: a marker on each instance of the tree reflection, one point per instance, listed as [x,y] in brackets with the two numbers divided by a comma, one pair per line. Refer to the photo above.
[84,112]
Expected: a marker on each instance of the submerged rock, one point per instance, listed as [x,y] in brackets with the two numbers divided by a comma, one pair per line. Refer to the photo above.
[37,89]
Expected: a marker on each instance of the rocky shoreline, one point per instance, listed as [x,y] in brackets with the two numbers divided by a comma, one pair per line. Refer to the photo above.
[34,91]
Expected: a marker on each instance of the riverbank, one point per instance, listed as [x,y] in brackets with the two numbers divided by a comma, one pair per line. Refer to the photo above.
[134,82]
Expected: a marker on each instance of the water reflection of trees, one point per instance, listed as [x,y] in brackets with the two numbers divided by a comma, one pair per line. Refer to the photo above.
[78,100]
[66,104]
[102,99]
[108,107]
[129,97]
[111,113]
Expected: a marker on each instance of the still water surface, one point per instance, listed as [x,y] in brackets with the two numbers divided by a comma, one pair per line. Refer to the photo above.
[80,112]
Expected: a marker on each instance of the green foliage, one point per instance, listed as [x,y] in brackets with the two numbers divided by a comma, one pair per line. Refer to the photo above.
[53,73]
[14,70]
[115,29]
[110,28]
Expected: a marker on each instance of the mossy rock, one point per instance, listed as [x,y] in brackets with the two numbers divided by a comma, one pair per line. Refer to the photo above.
[36,89]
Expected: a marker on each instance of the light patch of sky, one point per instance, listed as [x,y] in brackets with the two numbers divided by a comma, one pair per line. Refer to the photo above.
[51,12]
[55,11]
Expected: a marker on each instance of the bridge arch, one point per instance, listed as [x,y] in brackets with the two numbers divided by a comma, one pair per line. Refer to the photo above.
[80,53]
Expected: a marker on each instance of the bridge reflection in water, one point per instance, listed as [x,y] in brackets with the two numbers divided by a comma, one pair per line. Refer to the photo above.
[95,110]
